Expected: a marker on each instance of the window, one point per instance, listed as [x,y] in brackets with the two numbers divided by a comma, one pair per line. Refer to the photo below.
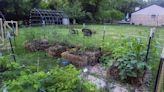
[153,16]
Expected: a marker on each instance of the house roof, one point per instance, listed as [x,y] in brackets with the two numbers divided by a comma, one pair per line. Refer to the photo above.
[151,10]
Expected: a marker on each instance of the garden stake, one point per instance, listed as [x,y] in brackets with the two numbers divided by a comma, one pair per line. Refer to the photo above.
[43,25]
[149,43]
[160,74]
[13,32]
[103,36]
[83,25]
[11,46]
[38,63]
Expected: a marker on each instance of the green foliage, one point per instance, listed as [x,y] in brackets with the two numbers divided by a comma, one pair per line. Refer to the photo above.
[61,79]
[134,47]
[25,82]
[116,15]
[7,64]
[129,57]
[74,9]
[133,68]
[88,87]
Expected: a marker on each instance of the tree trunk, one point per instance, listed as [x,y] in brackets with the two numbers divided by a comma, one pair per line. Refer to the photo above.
[74,21]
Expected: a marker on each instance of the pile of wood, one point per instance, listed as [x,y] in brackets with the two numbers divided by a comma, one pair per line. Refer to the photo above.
[37,45]
[56,50]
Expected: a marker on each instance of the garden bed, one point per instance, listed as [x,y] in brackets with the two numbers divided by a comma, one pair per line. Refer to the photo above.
[81,58]
[37,45]
[141,79]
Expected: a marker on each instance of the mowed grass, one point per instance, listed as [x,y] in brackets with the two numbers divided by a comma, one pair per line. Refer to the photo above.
[113,35]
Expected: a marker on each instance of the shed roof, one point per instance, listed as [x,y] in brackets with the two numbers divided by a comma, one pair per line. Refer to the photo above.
[151,10]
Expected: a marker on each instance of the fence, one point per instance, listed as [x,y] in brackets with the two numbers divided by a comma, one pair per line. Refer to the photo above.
[160,75]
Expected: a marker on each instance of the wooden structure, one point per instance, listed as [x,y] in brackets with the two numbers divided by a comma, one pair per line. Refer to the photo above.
[2,16]
[160,75]
[149,16]
[7,27]
[1,32]
[12,26]
[40,17]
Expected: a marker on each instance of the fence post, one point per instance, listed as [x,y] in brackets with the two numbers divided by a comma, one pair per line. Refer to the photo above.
[160,74]
[1,32]
[152,31]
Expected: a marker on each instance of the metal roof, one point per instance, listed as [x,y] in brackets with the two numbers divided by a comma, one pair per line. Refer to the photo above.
[151,10]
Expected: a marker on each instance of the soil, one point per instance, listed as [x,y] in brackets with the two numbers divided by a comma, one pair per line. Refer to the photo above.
[98,75]
[140,84]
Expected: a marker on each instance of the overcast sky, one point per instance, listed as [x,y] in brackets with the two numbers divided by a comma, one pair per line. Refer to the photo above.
[145,0]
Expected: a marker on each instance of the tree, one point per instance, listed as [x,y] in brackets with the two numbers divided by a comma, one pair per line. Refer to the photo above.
[107,12]
[126,6]
[18,9]
[72,8]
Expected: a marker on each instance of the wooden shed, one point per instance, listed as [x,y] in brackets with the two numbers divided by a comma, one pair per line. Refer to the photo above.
[150,16]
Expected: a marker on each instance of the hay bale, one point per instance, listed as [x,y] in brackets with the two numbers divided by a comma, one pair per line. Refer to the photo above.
[55,51]
[37,45]
[76,60]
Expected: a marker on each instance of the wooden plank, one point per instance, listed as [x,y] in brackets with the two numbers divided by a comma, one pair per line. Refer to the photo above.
[162,55]
[160,75]
[2,33]
[6,25]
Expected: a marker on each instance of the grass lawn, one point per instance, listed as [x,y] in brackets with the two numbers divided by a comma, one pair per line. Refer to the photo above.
[113,34]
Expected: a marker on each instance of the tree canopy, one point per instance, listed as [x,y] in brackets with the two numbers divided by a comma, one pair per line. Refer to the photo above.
[75,9]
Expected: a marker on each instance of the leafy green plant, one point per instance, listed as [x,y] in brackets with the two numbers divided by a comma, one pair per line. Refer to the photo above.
[129,57]
[88,87]
[25,82]
[133,69]
[7,64]
[61,79]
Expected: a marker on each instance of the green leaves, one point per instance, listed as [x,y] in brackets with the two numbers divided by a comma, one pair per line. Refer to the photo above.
[7,64]
[129,57]
[131,69]
[59,79]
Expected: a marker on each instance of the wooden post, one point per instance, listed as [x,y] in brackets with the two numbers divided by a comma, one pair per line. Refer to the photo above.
[103,36]
[2,33]
[152,31]
[6,25]
[160,75]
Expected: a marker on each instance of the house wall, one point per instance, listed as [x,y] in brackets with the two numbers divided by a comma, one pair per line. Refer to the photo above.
[147,20]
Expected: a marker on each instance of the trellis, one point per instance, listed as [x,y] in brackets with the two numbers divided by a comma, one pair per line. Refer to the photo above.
[2,16]
[47,17]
